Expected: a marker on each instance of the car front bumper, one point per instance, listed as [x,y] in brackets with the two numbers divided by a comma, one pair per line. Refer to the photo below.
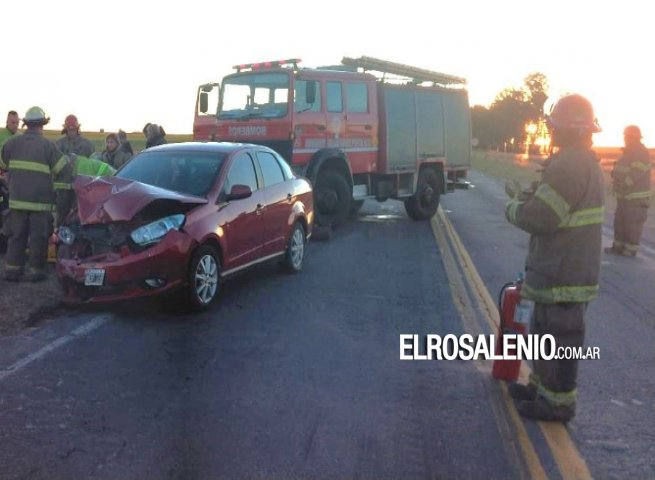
[126,273]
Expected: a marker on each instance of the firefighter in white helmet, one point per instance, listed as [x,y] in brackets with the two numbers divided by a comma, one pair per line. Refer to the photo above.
[34,163]
[564,217]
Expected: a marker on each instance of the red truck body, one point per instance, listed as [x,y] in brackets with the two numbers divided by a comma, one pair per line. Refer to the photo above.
[353,134]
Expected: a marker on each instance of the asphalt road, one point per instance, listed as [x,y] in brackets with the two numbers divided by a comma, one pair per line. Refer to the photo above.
[615,424]
[288,376]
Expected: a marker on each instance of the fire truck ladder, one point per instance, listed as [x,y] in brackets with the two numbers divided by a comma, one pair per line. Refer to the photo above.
[416,74]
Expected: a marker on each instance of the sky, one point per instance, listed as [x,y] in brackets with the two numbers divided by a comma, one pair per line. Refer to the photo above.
[122,64]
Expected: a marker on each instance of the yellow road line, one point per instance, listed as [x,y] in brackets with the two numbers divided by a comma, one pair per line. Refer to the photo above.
[569,461]
[507,419]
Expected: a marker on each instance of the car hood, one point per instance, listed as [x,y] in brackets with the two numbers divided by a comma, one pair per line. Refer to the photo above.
[114,199]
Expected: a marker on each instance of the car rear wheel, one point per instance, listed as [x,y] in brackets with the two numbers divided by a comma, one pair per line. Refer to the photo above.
[204,278]
[295,254]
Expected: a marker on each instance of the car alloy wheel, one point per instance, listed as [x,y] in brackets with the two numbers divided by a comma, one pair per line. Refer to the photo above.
[295,254]
[206,279]
[297,248]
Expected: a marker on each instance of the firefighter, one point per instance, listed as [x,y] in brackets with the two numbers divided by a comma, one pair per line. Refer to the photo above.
[631,182]
[73,141]
[5,134]
[564,216]
[32,162]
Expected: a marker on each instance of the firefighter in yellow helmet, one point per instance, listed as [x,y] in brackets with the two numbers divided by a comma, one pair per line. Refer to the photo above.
[564,217]
[33,164]
[631,181]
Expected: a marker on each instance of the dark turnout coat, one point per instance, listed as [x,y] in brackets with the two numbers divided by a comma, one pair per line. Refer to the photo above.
[564,216]
[34,164]
[631,174]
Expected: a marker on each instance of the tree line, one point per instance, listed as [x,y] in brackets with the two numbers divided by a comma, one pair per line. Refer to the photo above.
[502,126]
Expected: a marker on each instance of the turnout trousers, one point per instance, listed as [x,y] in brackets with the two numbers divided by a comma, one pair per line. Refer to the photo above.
[556,380]
[629,219]
[23,229]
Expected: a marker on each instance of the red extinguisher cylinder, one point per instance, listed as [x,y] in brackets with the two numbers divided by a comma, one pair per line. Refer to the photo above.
[504,369]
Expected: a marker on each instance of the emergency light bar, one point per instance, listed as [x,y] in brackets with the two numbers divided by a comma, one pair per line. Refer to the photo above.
[263,65]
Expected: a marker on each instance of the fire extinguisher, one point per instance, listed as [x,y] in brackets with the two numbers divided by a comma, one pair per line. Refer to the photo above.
[512,321]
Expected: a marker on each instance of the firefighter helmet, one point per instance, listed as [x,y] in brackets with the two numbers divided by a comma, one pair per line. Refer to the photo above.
[632,131]
[573,112]
[35,115]
[71,121]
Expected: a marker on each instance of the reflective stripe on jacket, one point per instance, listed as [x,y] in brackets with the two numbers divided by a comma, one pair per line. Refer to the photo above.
[564,217]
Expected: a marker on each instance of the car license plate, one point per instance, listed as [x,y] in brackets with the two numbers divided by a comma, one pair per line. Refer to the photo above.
[94,277]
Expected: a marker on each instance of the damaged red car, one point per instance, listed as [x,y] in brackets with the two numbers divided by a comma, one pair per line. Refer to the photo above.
[183,217]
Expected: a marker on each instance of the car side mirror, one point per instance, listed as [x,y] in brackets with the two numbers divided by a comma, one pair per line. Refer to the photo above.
[238,192]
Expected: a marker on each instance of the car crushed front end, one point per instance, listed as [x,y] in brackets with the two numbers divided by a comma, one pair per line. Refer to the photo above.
[124,240]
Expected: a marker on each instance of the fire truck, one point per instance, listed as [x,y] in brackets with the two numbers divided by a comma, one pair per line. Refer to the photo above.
[367,128]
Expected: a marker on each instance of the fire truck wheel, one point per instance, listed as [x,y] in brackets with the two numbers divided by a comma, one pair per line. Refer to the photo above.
[332,196]
[425,202]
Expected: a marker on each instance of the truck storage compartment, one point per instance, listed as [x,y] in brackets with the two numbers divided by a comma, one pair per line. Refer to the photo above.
[423,123]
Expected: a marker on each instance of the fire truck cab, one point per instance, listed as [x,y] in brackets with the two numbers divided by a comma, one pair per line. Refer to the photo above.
[354,134]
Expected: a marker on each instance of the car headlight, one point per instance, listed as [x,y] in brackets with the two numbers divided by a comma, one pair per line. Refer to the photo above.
[66,235]
[153,232]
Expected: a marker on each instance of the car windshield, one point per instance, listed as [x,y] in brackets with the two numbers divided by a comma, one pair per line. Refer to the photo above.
[255,95]
[191,173]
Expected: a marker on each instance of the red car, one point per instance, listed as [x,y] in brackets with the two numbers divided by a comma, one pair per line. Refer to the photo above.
[183,216]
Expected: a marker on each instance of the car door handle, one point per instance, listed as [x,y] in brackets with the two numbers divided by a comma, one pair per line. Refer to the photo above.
[289,196]
[260,209]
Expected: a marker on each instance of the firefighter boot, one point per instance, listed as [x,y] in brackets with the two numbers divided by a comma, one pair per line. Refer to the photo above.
[518,391]
[614,250]
[540,409]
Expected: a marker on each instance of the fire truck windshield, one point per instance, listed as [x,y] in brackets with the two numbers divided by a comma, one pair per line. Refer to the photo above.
[255,95]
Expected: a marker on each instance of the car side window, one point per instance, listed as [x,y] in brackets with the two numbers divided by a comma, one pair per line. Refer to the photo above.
[286,169]
[242,172]
[271,170]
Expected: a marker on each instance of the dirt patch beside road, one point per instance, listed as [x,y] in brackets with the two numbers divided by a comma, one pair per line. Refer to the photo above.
[24,304]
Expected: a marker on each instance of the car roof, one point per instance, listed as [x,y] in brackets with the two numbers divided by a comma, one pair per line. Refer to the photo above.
[216,147]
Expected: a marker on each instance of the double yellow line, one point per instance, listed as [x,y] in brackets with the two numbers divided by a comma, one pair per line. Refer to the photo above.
[461,273]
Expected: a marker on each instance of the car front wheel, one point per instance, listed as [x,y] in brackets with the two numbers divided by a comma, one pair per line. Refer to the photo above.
[204,277]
